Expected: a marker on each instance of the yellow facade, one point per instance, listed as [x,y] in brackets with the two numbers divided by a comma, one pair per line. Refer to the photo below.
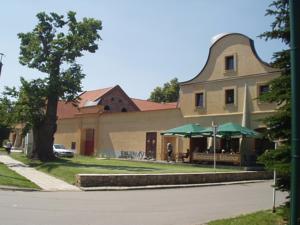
[117,132]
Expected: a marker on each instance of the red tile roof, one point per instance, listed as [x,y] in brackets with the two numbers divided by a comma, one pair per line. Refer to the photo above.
[66,110]
[89,110]
[145,105]
[92,95]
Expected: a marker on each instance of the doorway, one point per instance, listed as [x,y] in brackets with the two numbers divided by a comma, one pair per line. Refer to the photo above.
[151,139]
[89,142]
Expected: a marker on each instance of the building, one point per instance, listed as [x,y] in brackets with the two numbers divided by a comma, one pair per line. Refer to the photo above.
[108,122]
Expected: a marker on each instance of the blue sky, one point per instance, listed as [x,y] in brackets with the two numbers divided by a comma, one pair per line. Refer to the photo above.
[145,42]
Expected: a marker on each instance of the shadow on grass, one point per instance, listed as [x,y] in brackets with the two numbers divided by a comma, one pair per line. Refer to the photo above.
[13,178]
[49,166]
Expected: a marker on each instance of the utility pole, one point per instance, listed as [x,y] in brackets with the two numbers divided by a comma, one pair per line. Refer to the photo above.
[295,80]
[1,55]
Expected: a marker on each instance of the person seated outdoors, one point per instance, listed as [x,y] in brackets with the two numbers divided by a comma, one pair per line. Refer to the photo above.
[185,155]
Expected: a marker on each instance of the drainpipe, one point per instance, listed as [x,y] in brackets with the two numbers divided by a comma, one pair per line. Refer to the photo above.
[295,81]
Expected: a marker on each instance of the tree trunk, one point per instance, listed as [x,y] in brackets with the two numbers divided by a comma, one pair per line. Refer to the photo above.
[43,134]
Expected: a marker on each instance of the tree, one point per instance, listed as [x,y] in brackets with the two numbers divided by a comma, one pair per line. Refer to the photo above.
[4,120]
[52,47]
[168,93]
[279,124]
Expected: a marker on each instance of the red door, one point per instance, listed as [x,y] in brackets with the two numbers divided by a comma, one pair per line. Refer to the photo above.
[89,142]
[151,145]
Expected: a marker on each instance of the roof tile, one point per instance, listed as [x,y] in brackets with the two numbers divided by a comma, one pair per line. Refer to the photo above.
[145,105]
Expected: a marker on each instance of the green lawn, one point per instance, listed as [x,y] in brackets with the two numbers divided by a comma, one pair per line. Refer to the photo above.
[11,178]
[258,218]
[67,168]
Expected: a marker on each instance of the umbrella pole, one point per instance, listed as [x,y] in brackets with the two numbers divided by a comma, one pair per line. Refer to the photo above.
[214,133]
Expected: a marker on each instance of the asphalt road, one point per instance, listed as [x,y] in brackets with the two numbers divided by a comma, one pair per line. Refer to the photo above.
[185,206]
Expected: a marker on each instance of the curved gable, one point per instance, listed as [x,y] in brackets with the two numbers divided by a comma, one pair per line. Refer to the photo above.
[246,59]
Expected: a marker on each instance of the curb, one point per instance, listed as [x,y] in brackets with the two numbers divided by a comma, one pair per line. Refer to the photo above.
[152,187]
[11,188]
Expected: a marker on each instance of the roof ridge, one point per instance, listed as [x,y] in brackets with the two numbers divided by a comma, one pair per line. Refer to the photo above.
[100,89]
[153,101]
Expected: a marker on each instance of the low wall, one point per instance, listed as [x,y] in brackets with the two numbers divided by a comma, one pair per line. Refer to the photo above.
[102,180]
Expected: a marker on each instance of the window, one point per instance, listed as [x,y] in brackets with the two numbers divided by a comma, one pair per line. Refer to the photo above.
[106,107]
[229,63]
[263,89]
[124,110]
[229,96]
[73,145]
[199,100]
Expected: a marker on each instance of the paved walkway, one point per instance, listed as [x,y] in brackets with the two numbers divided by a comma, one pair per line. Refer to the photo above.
[45,181]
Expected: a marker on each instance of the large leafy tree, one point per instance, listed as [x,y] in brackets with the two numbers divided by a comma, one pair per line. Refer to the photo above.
[168,93]
[52,47]
[279,124]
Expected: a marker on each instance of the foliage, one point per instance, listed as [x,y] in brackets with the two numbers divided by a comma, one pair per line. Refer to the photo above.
[26,105]
[279,160]
[168,93]
[258,218]
[4,119]
[279,124]
[4,133]
[52,47]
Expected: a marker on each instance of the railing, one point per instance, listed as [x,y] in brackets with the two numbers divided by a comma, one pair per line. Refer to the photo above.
[220,157]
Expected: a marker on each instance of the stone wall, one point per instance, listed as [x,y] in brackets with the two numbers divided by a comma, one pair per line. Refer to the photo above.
[102,180]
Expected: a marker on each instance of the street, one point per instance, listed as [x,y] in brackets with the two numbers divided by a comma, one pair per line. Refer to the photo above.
[185,206]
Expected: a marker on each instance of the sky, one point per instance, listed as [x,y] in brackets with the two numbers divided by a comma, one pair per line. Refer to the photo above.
[145,43]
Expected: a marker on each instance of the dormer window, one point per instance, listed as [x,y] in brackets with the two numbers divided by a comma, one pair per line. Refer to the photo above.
[229,63]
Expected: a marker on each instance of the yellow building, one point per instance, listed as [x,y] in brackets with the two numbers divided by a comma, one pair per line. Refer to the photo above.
[110,123]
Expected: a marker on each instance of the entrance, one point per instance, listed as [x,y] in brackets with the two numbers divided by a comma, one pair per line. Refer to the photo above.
[89,142]
[151,138]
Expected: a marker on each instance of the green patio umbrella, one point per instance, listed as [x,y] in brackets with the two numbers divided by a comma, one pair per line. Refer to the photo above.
[232,129]
[187,130]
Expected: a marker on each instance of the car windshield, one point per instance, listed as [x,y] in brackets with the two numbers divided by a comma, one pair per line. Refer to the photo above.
[59,146]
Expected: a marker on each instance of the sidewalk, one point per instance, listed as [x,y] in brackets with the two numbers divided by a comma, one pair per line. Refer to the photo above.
[45,181]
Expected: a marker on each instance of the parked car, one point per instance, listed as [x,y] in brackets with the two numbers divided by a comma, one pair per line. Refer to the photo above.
[61,151]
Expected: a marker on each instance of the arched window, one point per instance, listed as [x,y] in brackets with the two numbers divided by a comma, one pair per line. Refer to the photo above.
[106,107]
[124,110]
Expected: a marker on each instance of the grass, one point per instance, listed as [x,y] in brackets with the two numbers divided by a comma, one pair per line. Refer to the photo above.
[67,168]
[11,178]
[258,218]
